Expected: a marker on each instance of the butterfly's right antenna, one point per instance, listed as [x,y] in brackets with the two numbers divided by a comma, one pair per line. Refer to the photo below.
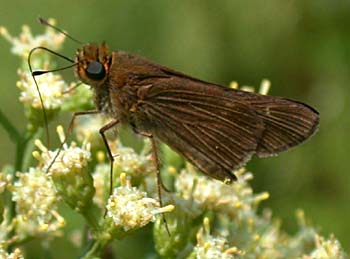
[46,23]
[37,73]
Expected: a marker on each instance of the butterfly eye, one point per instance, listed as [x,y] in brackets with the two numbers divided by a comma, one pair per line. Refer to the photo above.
[95,70]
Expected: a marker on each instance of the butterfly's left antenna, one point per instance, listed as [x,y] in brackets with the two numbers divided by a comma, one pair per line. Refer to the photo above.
[40,72]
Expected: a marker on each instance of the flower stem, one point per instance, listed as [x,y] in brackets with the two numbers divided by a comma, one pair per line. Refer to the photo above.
[90,216]
[96,249]
[9,127]
[21,146]
[21,142]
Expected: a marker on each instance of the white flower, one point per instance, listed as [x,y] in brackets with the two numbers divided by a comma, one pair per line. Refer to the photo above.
[326,249]
[130,208]
[26,41]
[51,86]
[69,159]
[16,254]
[68,168]
[210,247]
[36,204]
[101,183]
[4,181]
[263,89]
[130,162]
[87,127]
[215,195]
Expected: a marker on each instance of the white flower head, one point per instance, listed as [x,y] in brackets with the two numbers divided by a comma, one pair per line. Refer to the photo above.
[263,89]
[25,42]
[215,195]
[68,168]
[5,179]
[210,247]
[36,203]
[16,254]
[132,163]
[87,127]
[51,86]
[130,208]
[101,183]
[327,249]
[70,158]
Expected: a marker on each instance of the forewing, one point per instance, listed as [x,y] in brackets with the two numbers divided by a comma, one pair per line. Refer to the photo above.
[215,127]
[216,134]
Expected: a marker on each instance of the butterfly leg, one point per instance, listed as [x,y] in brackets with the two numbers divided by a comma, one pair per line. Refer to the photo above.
[76,114]
[102,131]
[156,164]
[160,183]
[159,179]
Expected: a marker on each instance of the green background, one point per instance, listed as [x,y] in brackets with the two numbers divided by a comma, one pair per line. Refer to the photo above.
[302,47]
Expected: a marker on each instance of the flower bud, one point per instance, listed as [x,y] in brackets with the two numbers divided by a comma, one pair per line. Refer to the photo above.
[182,224]
[211,247]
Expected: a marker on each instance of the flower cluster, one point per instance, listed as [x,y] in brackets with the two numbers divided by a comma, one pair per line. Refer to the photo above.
[52,88]
[36,204]
[67,166]
[212,247]
[87,127]
[5,179]
[139,166]
[16,254]
[68,159]
[241,232]
[235,199]
[101,182]
[207,219]
[326,248]
[130,208]
[23,44]
[130,162]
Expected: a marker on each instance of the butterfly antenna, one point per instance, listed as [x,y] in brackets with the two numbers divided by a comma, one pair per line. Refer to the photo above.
[46,23]
[40,72]
[41,99]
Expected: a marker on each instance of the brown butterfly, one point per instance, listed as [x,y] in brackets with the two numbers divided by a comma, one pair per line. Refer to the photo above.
[214,127]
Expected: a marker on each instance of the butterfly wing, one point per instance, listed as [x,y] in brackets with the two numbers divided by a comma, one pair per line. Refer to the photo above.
[287,123]
[216,128]
[217,135]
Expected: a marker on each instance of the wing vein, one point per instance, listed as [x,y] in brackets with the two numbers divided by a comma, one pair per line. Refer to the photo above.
[219,159]
[219,143]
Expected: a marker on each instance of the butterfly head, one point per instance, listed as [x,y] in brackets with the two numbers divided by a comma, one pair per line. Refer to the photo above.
[93,63]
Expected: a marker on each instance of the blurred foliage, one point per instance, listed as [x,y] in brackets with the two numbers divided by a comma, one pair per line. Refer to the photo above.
[302,47]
